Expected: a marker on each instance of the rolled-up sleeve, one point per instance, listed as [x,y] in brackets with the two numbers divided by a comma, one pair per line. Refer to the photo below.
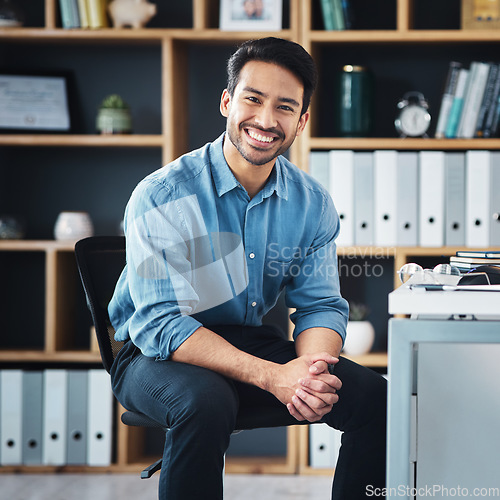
[314,291]
[158,272]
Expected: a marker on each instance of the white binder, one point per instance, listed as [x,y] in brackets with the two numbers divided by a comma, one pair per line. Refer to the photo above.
[342,190]
[32,417]
[324,446]
[55,396]
[495,199]
[319,168]
[431,199]
[385,164]
[100,414]
[454,199]
[363,198]
[407,199]
[477,228]
[11,412]
[76,453]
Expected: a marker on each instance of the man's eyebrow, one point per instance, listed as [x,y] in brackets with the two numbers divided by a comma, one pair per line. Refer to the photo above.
[287,100]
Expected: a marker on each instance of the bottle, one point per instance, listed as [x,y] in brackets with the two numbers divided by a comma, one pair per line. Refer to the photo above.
[354,102]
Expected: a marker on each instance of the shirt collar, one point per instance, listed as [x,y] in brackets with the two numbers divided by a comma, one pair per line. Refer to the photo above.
[225,181]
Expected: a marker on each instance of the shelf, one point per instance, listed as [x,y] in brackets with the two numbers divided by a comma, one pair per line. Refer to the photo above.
[17,356]
[405,36]
[36,245]
[118,140]
[371,359]
[124,35]
[328,143]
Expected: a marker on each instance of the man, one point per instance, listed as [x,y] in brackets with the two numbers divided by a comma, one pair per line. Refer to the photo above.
[212,239]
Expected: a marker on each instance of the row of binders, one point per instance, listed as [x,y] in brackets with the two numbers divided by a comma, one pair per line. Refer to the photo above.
[470,106]
[55,417]
[83,13]
[324,446]
[407,198]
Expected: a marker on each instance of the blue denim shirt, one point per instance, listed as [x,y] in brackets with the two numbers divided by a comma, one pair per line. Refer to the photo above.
[200,252]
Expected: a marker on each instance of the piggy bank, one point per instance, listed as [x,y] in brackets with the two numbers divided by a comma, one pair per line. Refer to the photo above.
[134,13]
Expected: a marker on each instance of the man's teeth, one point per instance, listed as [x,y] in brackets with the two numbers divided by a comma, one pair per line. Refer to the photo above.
[259,137]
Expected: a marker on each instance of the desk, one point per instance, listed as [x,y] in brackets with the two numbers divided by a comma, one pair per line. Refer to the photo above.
[444,395]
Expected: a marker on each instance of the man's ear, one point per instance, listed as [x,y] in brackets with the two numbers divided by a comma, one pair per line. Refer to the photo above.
[302,123]
[225,103]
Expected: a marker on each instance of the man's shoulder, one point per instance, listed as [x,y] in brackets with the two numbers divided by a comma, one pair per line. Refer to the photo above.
[302,181]
[184,169]
[179,175]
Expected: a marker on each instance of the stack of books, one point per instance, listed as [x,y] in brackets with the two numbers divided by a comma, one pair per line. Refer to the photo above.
[470,106]
[466,260]
[336,15]
[83,13]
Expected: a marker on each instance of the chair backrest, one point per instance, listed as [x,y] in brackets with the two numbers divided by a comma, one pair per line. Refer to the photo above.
[100,260]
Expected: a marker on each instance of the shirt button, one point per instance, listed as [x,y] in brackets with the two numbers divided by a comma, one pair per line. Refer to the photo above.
[252,255]
[254,304]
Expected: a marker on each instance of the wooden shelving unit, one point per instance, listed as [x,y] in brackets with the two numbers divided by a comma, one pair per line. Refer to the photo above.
[59,272]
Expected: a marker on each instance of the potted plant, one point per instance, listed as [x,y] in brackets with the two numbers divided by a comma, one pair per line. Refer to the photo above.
[360,332]
[113,116]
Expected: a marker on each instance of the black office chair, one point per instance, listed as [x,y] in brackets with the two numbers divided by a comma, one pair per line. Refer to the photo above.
[100,260]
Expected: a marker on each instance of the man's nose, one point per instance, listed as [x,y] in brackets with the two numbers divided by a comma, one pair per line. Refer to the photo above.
[266,118]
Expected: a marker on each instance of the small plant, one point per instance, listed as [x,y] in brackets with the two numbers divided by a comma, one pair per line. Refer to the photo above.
[114,101]
[358,312]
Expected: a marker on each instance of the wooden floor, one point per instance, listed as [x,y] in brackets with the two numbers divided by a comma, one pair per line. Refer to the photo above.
[131,487]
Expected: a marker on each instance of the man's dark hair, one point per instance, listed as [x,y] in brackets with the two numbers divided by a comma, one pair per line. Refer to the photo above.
[289,55]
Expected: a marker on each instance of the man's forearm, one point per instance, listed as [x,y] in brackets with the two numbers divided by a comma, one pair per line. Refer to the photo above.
[318,340]
[207,349]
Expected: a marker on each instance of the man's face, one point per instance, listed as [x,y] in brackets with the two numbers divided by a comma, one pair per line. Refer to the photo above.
[263,116]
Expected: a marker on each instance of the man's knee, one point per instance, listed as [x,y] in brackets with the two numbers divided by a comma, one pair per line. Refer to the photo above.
[362,398]
[211,399]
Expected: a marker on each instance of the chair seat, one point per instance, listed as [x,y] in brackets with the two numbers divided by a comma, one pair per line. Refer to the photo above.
[253,418]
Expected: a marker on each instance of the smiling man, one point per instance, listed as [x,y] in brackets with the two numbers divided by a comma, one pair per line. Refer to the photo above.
[212,240]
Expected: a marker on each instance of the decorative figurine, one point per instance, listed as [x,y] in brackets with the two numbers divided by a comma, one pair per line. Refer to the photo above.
[134,13]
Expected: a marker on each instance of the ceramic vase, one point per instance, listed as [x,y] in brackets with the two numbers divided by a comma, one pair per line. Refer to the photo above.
[73,226]
[359,339]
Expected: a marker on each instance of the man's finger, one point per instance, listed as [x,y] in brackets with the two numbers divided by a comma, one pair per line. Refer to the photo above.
[322,383]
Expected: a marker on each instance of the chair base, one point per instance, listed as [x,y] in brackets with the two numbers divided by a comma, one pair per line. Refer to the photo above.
[149,471]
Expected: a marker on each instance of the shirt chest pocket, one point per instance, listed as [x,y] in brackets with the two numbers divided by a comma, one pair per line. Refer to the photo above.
[279,262]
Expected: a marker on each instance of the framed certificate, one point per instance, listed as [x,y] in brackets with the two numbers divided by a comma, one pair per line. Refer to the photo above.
[34,103]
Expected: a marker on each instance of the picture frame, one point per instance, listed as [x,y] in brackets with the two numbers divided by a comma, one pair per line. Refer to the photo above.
[34,103]
[480,14]
[251,15]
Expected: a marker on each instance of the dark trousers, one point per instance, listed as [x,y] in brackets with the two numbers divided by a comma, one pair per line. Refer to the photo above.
[202,407]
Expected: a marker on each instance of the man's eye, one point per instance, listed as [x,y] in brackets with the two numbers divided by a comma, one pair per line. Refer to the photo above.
[286,108]
[253,99]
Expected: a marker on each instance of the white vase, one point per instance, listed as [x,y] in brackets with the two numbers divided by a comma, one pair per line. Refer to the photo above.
[359,339]
[73,226]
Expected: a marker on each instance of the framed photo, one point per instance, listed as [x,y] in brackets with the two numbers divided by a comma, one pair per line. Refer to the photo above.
[34,103]
[251,15]
[480,14]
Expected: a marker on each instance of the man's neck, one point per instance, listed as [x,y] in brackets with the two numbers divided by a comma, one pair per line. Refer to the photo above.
[252,177]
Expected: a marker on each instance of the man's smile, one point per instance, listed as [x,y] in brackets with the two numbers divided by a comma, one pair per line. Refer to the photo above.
[260,138]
